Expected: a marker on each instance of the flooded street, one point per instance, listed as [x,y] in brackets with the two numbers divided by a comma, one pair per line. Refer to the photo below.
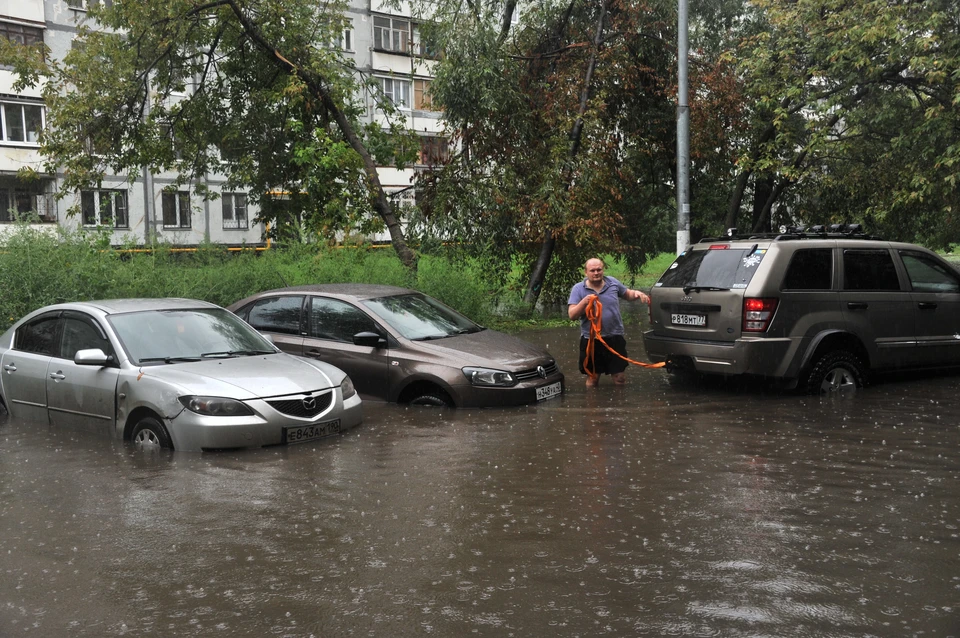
[656,509]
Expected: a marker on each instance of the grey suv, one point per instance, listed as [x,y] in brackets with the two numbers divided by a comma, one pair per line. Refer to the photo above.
[816,308]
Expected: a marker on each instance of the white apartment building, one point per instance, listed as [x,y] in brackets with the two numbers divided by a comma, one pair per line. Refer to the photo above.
[383,43]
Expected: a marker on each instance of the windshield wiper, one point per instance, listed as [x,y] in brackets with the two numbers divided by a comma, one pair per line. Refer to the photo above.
[696,288]
[168,359]
[430,337]
[235,353]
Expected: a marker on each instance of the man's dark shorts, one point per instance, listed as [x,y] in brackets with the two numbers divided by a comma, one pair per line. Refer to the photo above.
[605,362]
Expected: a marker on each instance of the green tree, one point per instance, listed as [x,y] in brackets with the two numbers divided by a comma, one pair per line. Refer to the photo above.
[245,88]
[855,111]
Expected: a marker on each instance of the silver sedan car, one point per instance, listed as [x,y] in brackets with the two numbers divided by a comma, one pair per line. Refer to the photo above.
[172,373]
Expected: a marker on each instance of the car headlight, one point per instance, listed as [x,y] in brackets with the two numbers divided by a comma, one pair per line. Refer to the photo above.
[346,387]
[215,406]
[486,376]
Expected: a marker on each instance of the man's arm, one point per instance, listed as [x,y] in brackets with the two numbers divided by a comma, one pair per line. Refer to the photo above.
[577,310]
[633,295]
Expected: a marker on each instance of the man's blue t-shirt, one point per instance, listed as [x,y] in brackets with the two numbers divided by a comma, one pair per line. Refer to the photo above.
[611,323]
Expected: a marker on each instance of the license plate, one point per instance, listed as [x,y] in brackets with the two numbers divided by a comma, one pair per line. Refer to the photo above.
[305,433]
[688,320]
[549,391]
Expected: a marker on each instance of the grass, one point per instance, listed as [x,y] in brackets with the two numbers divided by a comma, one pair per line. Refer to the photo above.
[39,268]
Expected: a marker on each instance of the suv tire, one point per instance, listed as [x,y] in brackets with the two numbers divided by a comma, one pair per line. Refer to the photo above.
[835,371]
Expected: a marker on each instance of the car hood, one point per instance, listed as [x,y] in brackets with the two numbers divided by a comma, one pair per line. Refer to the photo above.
[487,348]
[249,377]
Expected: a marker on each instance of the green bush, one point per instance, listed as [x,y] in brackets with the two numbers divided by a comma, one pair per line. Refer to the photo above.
[42,265]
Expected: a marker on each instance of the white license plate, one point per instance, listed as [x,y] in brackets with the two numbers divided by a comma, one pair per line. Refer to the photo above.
[549,391]
[312,432]
[688,320]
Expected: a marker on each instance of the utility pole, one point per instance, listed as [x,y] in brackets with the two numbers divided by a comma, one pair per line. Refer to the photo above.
[683,133]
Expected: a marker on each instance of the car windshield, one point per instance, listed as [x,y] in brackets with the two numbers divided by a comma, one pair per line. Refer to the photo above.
[420,318]
[169,336]
[724,268]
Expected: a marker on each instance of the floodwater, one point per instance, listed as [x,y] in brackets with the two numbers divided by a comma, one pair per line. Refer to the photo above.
[654,509]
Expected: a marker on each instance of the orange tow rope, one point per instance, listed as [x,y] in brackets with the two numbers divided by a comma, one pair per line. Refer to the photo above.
[594,311]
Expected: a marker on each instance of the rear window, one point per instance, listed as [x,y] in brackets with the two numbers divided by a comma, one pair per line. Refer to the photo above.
[727,268]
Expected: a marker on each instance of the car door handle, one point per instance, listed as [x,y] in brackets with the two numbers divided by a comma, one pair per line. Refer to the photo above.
[926,305]
[314,353]
[57,376]
[10,367]
[857,305]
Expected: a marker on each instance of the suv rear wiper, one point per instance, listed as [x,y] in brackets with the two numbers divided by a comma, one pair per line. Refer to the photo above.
[696,288]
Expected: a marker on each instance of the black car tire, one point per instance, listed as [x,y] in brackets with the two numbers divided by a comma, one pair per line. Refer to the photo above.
[836,371]
[149,432]
[435,399]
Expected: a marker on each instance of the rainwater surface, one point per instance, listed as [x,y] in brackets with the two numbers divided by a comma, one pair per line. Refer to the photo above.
[654,509]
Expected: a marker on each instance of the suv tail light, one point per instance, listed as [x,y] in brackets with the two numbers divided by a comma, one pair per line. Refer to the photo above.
[757,313]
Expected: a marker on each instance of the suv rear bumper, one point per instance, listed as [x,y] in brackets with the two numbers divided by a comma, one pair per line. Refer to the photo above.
[768,357]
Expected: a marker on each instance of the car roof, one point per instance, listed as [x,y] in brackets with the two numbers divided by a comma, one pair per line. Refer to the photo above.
[355,291]
[117,306]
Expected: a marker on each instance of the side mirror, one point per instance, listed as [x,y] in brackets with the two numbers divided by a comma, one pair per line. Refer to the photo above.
[368,339]
[92,357]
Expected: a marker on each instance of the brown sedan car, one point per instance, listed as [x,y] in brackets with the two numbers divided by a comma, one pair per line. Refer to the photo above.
[401,345]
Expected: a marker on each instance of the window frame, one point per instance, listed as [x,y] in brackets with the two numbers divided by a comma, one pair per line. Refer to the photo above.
[24,123]
[113,196]
[10,30]
[229,203]
[181,200]
[405,87]
[397,32]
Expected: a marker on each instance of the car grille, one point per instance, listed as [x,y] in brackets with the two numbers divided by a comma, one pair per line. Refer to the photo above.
[305,407]
[523,375]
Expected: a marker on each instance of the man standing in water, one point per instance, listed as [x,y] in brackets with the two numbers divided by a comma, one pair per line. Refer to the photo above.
[608,291]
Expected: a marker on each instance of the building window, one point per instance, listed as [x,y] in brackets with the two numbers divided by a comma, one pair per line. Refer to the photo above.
[434,150]
[176,209]
[21,34]
[421,48]
[21,122]
[346,39]
[390,34]
[421,95]
[86,4]
[16,202]
[397,91]
[104,208]
[234,210]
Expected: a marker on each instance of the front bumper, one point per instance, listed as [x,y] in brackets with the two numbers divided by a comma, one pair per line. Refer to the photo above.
[194,432]
[524,393]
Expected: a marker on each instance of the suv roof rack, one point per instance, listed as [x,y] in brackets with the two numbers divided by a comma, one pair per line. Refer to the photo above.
[817,231]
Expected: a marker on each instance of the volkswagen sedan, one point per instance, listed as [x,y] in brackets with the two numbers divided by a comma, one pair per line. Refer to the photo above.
[403,346]
[171,373]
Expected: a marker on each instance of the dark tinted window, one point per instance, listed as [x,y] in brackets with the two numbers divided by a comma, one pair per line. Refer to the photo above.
[81,334]
[810,269]
[718,268]
[40,335]
[927,274]
[869,270]
[337,320]
[277,314]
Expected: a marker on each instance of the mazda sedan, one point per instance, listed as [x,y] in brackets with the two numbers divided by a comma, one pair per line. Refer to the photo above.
[170,373]
[403,346]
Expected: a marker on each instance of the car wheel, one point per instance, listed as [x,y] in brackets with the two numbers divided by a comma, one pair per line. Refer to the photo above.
[149,433]
[837,371]
[436,399]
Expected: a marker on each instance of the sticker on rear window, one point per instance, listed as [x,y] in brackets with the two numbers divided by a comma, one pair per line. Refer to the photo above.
[751,261]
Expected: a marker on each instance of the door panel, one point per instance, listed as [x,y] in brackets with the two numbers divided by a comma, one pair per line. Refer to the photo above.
[82,396]
[331,325]
[936,303]
[877,305]
[25,384]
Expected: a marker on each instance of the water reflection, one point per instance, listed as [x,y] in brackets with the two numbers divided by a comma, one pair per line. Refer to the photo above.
[654,509]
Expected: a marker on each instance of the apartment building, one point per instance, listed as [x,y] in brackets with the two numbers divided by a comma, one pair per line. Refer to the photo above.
[384,44]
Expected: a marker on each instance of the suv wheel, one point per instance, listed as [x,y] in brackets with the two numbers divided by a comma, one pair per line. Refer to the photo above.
[837,371]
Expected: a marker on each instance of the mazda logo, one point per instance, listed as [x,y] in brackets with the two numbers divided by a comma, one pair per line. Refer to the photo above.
[542,372]
[309,403]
